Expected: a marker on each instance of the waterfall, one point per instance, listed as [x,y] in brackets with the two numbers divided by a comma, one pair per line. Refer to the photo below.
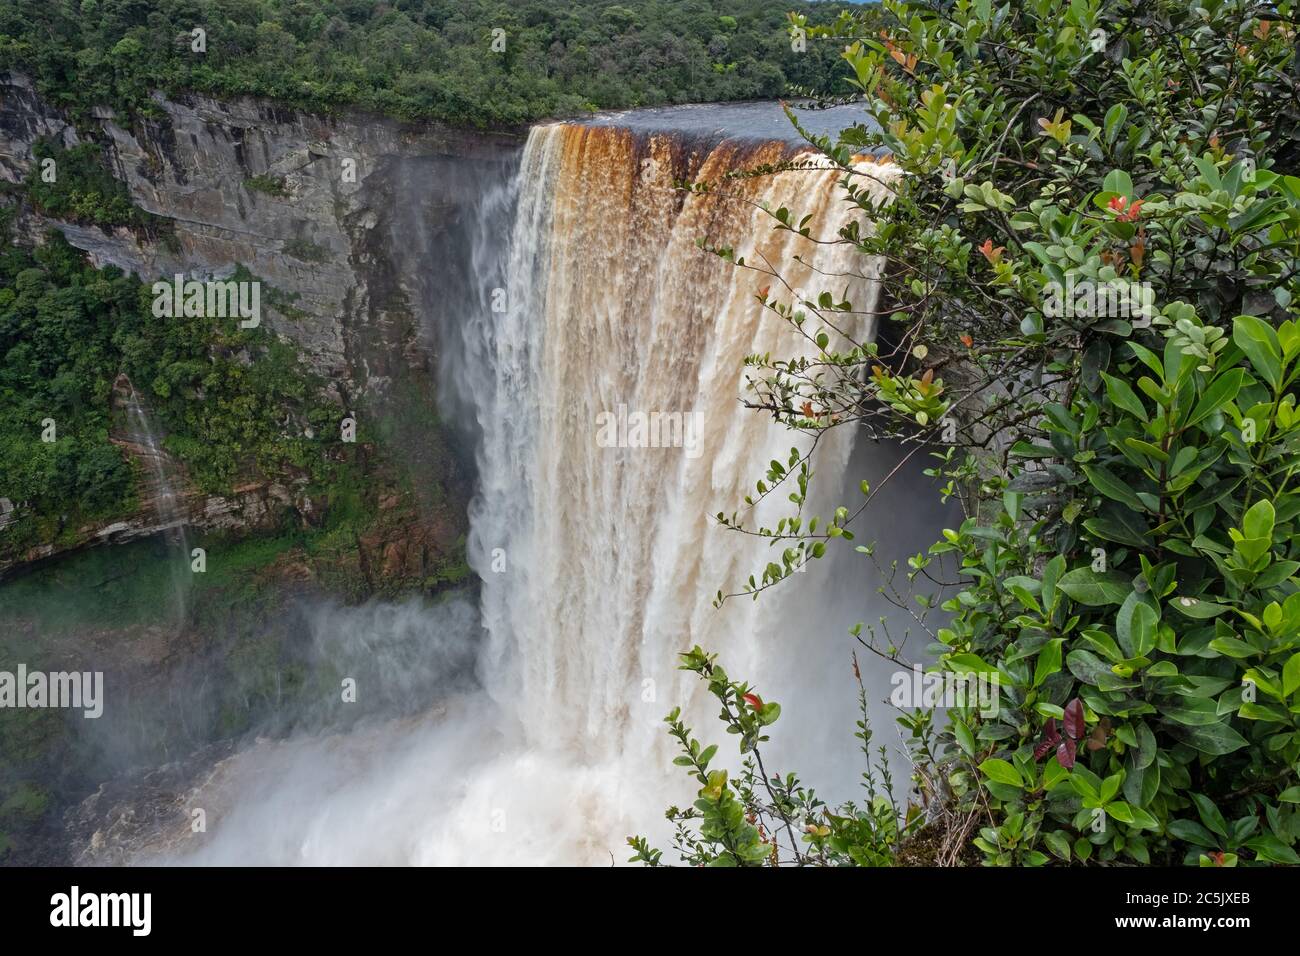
[170,516]
[600,564]
[593,542]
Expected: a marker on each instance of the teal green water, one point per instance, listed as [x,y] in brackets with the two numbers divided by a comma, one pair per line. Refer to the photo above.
[124,586]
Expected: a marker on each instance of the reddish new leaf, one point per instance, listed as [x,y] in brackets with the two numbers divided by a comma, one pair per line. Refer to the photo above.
[1065,753]
[1050,739]
[1074,718]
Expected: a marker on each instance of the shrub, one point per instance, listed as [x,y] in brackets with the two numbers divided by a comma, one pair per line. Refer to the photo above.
[1128,566]
[271,185]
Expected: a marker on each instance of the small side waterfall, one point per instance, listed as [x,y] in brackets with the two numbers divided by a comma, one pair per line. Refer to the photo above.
[171,518]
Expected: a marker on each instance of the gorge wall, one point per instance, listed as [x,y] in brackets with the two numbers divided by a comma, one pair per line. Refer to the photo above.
[320,209]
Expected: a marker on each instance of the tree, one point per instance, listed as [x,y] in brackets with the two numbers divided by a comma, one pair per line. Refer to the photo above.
[331,54]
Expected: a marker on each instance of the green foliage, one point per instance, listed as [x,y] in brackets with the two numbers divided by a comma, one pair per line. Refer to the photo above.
[752,819]
[414,59]
[56,323]
[234,402]
[231,402]
[1125,453]
[271,185]
[22,804]
[82,188]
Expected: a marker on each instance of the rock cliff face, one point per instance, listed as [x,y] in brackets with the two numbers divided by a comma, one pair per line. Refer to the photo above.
[309,203]
[321,209]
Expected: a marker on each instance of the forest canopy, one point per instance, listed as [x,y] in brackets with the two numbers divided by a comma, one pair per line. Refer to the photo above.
[417,59]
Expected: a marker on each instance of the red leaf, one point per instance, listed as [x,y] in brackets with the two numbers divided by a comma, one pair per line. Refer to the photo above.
[992,255]
[754,701]
[1065,753]
[1074,721]
[1050,739]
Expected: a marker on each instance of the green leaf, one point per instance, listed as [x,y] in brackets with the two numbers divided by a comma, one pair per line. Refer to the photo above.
[1025,449]
[1096,589]
[1270,848]
[1119,392]
[999,771]
[1124,624]
[1144,820]
[964,737]
[1146,448]
[1291,675]
[1258,521]
[1121,525]
[1118,181]
[1196,608]
[1049,660]
[1191,711]
[1090,669]
[969,664]
[1147,358]
[1144,622]
[1112,486]
[1058,841]
[1052,572]
[1221,391]
[1147,747]
[1257,339]
[1121,811]
[1110,786]
[1216,739]
[1192,832]
[1277,572]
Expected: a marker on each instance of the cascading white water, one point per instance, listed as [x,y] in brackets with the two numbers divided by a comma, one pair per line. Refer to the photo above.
[598,564]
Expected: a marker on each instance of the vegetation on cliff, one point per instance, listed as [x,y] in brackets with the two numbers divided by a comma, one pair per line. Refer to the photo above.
[67,330]
[1101,205]
[80,188]
[414,59]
